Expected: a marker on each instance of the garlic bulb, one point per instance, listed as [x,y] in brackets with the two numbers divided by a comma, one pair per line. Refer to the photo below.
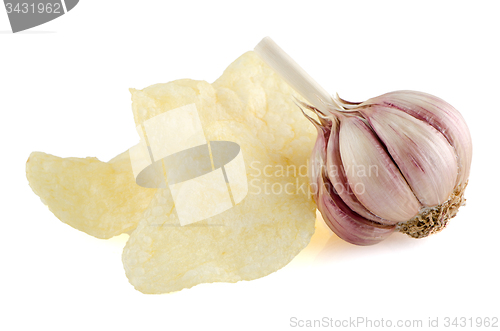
[397,162]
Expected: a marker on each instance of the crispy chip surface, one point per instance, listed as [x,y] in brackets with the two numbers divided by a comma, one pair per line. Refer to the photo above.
[99,198]
[250,105]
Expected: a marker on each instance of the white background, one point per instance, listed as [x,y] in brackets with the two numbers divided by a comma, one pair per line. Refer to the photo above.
[64,90]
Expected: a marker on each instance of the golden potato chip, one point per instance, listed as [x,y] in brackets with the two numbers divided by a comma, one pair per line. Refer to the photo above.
[248,105]
[251,106]
[99,198]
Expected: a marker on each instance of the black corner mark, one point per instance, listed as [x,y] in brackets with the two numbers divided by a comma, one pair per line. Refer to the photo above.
[70,4]
[25,14]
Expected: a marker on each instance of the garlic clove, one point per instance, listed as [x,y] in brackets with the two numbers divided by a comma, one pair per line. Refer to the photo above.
[422,154]
[336,173]
[438,113]
[348,225]
[318,155]
[372,175]
[387,194]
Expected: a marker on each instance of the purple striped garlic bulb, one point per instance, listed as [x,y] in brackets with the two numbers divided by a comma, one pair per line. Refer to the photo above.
[397,162]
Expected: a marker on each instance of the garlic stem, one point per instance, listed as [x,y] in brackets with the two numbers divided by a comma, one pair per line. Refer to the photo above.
[294,75]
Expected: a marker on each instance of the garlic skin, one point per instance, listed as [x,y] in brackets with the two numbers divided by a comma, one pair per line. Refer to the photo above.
[397,162]
[418,145]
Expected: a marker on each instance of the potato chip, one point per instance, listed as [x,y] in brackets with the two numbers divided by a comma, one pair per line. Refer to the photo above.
[250,105]
[99,198]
